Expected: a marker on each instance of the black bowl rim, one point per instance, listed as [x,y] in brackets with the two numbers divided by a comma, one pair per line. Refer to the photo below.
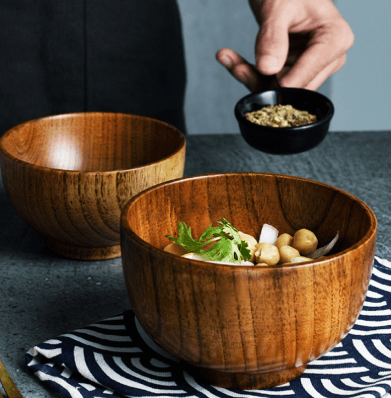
[5,153]
[323,120]
[125,228]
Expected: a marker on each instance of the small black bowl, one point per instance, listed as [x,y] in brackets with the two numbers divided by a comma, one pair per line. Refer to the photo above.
[285,140]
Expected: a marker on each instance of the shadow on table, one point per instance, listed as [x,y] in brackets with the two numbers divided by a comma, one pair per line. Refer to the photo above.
[16,237]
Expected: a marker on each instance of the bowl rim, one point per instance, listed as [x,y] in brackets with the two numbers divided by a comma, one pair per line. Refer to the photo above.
[326,118]
[125,227]
[5,153]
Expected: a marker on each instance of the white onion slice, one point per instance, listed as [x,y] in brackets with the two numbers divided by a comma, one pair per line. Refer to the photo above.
[269,234]
[322,251]
[235,263]
[195,256]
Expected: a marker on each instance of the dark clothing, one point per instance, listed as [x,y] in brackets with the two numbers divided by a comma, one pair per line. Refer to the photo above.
[91,55]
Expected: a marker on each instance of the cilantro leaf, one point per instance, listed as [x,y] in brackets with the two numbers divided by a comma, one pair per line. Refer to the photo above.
[246,253]
[221,243]
[186,240]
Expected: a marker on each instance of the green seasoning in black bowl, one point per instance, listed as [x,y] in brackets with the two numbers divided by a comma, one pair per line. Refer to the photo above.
[285,140]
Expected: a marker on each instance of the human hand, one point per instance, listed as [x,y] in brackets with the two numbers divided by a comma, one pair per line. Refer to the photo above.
[302,41]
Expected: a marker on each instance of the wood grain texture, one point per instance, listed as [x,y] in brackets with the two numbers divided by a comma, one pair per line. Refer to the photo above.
[69,176]
[247,327]
[8,384]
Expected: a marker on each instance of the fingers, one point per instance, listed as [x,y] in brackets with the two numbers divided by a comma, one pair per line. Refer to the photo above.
[303,41]
[247,74]
[325,54]
[239,68]
[271,47]
[302,45]
[319,79]
[272,42]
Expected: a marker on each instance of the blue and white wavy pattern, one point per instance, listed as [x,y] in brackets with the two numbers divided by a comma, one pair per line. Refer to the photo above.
[115,358]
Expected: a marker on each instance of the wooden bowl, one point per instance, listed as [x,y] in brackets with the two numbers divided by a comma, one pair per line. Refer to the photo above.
[69,176]
[247,327]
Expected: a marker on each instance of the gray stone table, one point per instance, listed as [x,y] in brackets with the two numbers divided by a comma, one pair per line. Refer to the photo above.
[43,295]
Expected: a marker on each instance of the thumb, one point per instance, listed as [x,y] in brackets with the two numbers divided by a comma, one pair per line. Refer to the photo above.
[271,48]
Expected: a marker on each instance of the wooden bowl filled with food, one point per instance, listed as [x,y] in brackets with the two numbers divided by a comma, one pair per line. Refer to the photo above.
[69,176]
[284,121]
[252,320]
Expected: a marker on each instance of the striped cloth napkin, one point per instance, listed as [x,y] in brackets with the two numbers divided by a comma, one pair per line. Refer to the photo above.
[115,358]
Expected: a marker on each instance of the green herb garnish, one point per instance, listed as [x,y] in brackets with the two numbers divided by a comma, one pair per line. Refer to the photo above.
[221,243]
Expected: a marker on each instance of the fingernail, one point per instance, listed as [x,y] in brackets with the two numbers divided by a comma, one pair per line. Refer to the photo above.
[226,61]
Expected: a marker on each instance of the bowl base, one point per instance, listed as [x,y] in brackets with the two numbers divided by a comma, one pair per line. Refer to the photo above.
[251,381]
[84,253]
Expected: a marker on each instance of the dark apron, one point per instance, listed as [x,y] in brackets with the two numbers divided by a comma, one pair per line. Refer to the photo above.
[90,55]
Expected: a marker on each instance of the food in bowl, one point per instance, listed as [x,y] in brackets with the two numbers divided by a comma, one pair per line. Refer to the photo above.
[246,327]
[225,244]
[287,140]
[280,116]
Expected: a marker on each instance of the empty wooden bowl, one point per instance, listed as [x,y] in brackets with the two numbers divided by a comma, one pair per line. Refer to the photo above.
[247,326]
[69,176]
